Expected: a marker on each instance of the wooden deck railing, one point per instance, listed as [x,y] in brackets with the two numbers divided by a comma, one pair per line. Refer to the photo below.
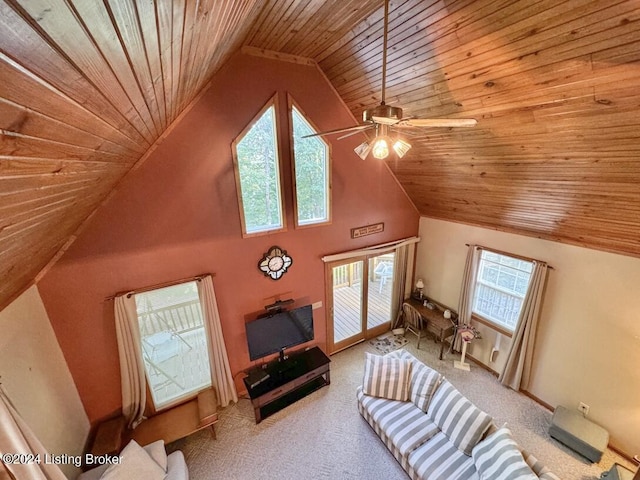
[178,318]
[347,275]
[351,273]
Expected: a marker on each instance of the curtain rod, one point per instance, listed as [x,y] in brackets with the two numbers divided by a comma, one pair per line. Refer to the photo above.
[369,250]
[159,285]
[519,257]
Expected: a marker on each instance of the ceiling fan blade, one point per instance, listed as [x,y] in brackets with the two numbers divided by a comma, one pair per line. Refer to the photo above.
[357,128]
[405,131]
[355,132]
[439,122]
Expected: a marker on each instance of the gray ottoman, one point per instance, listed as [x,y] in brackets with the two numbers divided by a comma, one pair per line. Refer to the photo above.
[578,433]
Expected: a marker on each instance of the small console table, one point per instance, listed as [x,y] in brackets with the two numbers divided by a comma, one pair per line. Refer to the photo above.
[285,382]
[441,327]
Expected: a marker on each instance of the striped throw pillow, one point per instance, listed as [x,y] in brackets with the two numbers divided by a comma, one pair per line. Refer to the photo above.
[459,419]
[498,457]
[424,380]
[386,377]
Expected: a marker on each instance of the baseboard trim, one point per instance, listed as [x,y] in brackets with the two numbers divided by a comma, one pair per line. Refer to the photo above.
[482,365]
[537,400]
[623,454]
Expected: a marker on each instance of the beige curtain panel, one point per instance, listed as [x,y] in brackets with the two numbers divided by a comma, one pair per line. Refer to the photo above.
[517,369]
[221,377]
[17,438]
[398,294]
[467,290]
[134,393]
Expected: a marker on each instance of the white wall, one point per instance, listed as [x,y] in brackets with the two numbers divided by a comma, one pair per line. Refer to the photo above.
[37,378]
[588,342]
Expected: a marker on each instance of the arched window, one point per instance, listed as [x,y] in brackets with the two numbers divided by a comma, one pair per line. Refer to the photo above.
[257,170]
[311,172]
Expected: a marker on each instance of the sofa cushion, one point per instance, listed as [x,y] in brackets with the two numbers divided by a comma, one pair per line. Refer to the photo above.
[537,466]
[439,459]
[498,457]
[457,417]
[378,408]
[386,377]
[135,463]
[402,422]
[534,464]
[424,380]
[409,429]
[548,476]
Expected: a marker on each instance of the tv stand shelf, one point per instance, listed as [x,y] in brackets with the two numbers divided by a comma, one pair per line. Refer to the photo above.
[286,382]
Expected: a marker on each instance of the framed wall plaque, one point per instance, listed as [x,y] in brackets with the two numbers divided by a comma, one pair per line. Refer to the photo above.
[367,230]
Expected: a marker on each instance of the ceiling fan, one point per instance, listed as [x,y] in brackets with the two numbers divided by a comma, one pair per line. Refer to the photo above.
[385,119]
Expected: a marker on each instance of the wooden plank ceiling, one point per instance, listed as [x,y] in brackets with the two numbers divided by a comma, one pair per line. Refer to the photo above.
[87,87]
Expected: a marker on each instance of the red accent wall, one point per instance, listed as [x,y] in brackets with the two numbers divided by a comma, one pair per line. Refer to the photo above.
[177,215]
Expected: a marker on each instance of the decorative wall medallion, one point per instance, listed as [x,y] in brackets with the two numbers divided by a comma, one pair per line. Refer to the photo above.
[275,263]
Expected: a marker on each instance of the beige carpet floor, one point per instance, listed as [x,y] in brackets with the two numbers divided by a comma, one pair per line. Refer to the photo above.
[324,437]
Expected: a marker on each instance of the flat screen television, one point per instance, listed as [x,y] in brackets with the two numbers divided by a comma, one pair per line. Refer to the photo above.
[274,333]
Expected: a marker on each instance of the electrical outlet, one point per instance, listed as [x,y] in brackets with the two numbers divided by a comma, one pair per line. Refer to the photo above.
[584,408]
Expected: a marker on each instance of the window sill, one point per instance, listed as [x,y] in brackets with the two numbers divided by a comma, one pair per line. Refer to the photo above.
[501,330]
[260,233]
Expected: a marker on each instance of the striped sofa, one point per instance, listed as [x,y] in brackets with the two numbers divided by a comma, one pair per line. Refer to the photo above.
[432,430]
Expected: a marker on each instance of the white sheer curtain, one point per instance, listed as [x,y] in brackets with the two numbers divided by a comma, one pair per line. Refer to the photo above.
[221,377]
[467,290]
[134,392]
[517,369]
[17,437]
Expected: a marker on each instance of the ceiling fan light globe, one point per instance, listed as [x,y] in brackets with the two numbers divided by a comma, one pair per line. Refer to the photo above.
[401,147]
[380,148]
[363,150]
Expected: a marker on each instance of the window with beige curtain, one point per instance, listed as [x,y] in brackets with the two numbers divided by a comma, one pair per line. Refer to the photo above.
[501,285]
[173,343]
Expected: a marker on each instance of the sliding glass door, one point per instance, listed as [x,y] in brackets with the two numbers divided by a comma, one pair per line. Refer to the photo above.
[380,288]
[361,297]
[347,303]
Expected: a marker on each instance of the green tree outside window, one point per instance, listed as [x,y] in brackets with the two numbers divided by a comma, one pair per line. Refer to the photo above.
[311,157]
[259,175]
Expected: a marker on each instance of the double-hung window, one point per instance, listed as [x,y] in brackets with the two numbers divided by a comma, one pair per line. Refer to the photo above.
[501,285]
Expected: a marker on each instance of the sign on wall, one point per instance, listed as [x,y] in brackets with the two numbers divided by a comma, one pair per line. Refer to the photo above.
[367,230]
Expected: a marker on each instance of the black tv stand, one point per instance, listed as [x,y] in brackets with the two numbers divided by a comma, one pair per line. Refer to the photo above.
[288,381]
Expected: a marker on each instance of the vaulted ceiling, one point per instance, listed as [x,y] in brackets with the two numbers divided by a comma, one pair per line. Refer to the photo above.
[87,87]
